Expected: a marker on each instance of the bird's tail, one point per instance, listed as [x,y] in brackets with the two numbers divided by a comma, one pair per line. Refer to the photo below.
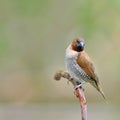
[97,85]
[99,88]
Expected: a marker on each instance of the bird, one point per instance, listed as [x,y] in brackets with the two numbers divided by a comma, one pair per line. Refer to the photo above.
[80,66]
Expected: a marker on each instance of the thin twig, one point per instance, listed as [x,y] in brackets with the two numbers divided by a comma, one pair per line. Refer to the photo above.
[81,96]
[79,92]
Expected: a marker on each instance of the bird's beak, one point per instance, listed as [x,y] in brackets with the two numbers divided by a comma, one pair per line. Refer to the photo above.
[82,43]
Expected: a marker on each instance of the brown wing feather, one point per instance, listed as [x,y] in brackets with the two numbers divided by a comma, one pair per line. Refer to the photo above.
[86,64]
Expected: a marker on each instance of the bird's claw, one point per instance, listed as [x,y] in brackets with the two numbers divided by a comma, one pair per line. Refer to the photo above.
[76,87]
[79,85]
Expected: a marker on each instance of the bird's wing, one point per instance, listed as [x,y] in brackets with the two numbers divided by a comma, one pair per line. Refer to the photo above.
[86,64]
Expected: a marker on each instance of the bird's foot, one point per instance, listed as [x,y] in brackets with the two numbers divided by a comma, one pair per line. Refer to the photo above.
[79,85]
[76,87]
[70,79]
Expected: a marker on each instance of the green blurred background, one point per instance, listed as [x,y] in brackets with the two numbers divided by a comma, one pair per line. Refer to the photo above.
[33,37]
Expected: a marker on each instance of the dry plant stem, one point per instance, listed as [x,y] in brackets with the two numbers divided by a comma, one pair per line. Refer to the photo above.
[81,96]
[79,92]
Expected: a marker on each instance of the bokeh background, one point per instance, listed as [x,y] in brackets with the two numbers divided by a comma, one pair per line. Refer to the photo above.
[33,37]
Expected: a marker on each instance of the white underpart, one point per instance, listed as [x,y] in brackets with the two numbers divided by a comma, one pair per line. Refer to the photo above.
[73,68]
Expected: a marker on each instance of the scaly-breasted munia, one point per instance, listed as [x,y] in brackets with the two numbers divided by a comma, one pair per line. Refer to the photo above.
[80,66]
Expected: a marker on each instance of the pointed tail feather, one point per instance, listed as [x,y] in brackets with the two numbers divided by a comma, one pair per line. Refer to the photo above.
[101,91]
[97,85]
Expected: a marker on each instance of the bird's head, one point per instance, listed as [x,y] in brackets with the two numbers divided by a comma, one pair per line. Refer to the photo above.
[78,44]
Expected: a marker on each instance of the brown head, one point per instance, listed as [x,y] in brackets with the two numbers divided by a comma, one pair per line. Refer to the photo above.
[78,44]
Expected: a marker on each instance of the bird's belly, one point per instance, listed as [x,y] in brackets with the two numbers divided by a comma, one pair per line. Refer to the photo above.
[76,71]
